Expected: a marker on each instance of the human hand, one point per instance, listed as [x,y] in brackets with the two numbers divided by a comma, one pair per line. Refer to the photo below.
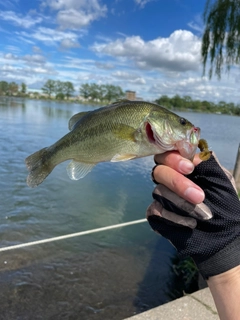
[209,183]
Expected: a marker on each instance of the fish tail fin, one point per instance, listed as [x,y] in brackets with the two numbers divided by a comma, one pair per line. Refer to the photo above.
[39,167]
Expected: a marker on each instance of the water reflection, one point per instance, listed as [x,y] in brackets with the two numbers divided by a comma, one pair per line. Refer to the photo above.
[56,113]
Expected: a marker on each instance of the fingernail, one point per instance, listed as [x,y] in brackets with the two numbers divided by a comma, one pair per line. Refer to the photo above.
[194,195]
[186,166]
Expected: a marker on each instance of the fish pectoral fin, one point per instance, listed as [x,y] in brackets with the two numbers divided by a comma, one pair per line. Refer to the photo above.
[123,157]
[124,132]
[77,170]
[74,119]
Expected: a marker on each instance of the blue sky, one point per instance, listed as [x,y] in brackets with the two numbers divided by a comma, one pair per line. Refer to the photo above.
[149,46]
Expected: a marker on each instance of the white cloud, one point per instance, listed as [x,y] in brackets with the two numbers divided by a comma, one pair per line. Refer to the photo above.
[104,65]
[180,52]
[8,4]
[76,14]
[142,3]
[193,25]
[197,24]
[19,20]
[68,43]
[36,49]
[124,75]
[24,73]
[10,56]
[24,68]
[32,59]
[12,49]
[88,5]
[195,86]
[49,36]
[138,81]
[130,77]
[74,19]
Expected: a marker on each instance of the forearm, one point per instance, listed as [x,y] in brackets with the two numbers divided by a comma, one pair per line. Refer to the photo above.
[225,289]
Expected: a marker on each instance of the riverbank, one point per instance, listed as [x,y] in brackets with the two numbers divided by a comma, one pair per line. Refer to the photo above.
[98,102]
[198,305]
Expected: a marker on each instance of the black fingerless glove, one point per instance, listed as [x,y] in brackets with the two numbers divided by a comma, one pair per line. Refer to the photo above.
[214,244]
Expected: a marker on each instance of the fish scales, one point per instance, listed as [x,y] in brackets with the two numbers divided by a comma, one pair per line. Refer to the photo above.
[122,131]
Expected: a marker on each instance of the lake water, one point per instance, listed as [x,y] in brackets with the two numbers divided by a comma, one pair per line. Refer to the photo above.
[108,275]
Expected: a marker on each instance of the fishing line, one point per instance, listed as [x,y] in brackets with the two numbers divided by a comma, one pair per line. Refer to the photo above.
[71,235]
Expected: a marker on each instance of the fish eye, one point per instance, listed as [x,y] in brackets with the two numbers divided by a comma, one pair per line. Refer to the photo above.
[183,121]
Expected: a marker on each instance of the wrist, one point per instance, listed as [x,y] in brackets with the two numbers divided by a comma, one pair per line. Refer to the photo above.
[225,291]
[226,278]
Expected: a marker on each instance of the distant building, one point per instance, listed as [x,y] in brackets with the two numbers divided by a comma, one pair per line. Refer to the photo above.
[130,95]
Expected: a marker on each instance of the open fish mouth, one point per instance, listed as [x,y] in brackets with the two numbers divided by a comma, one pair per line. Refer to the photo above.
[187,147]
[194,135]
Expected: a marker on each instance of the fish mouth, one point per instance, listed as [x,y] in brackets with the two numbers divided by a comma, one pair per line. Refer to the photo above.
[187,147]
[194,135]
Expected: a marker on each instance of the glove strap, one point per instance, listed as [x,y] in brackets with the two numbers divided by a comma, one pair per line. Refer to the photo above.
[222,261]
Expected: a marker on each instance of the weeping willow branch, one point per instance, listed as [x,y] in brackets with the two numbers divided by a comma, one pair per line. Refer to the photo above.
[221,37]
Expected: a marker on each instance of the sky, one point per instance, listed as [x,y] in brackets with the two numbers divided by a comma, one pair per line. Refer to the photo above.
[152,47]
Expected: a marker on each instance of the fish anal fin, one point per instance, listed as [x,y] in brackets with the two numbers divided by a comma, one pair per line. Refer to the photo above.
[78,170]
[123,157]
[74,119]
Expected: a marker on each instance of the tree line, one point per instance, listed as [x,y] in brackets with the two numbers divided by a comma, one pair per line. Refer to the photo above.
[12,88]
[186,103]
[88,91]
[107,93]
[61,89]
[65,89]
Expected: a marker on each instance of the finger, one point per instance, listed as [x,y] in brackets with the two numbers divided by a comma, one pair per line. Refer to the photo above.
[179,184]
[174,160]
[156,209]
[172,202]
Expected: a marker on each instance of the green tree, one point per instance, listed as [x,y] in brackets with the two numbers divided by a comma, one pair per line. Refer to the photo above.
[58,87]
[113,92]
[164,101]
[177,102]
[49,87]
[12,88]
[103,92]
[221,37]
[94,91]
[187,100]
[3,87]
[35,95]
[23,88]
[68,89]
[60,96]
[85,90]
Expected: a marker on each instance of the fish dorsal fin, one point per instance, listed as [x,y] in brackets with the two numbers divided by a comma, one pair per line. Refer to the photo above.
[74,119]
[123,157]
[120,101]
[124,132]
[77,170]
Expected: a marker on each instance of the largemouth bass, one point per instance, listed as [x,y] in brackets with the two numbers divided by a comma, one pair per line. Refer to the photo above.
[121,131]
